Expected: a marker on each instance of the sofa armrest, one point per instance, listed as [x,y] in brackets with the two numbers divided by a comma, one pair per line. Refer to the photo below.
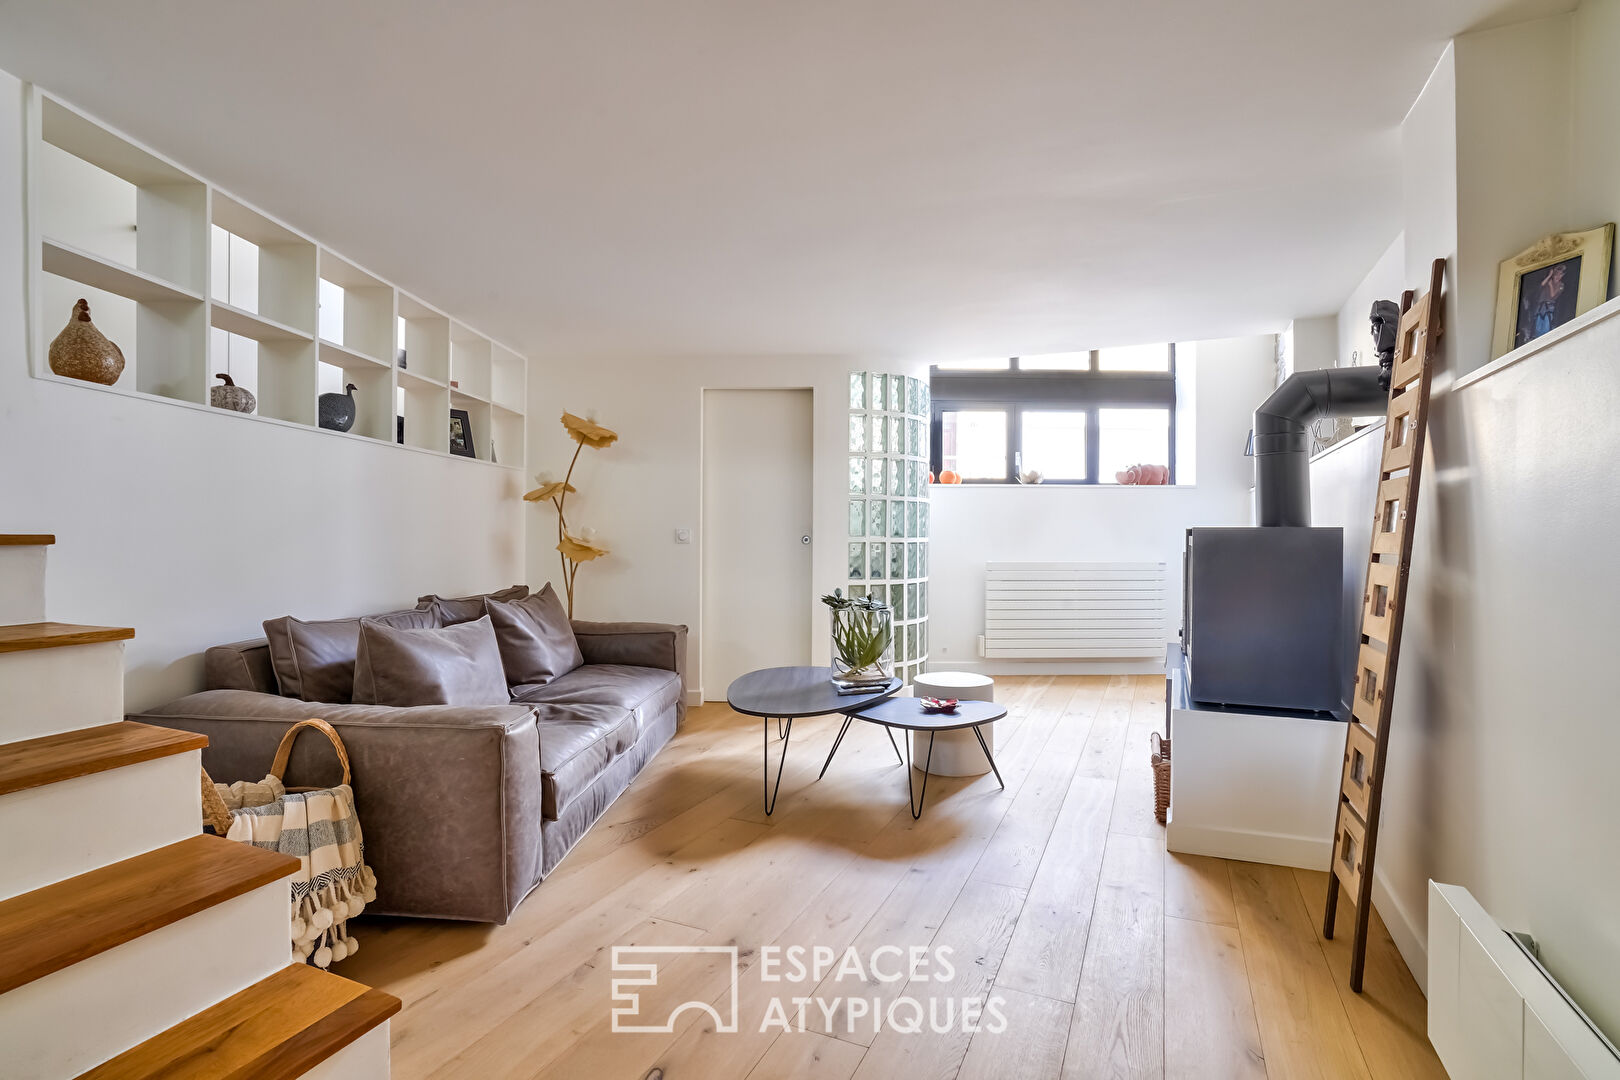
[642,644]
[449,797]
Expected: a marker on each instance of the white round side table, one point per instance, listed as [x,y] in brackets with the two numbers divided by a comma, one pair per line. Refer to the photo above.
[956,753]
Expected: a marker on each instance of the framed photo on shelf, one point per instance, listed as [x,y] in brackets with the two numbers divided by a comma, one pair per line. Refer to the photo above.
[1549,283]
[461,434]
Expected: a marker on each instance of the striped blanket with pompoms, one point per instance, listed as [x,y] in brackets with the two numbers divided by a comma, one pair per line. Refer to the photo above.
[320,829]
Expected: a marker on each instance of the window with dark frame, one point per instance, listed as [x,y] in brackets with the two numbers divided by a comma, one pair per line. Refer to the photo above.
[1077,418]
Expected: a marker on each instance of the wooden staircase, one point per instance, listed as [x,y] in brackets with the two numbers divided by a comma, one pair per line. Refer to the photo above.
[131,945]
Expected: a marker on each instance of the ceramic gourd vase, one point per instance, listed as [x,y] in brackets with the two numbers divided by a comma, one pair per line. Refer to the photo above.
[230,396]
[81,351]
[337,410]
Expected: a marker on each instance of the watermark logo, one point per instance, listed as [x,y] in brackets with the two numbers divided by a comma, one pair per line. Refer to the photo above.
[627,999]
[817,995]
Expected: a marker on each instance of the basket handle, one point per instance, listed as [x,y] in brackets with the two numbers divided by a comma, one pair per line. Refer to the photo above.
[278,767]
[215,812]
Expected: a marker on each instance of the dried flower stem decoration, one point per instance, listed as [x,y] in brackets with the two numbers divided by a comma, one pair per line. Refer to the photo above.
[573,548]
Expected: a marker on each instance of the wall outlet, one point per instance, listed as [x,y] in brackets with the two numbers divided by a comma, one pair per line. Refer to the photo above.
[683,536]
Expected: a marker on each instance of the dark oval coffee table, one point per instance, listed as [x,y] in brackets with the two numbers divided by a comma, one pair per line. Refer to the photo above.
[784,694]
[907,713]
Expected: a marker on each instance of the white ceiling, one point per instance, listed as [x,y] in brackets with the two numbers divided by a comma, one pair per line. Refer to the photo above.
[939,178]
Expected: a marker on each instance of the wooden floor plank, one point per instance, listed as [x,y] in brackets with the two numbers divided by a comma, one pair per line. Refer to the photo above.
[1304,1031]
[1210,1032]
[976,932]
[1030,1044]
[1118,1024]
[803,1055]
[1389,1016]
[1198,887]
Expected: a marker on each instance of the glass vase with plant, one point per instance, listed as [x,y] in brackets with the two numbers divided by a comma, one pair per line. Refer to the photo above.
[862,638]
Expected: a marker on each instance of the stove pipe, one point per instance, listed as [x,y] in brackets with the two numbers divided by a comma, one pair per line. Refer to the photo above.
[1282,438]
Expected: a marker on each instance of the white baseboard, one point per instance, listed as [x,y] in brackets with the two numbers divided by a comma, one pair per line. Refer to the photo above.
[694,698]
[1277,849]
[1411,936]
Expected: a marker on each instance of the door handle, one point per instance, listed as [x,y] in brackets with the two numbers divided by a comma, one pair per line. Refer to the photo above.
[805,539]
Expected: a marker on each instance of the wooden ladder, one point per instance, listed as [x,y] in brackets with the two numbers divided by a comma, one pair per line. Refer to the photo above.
[1383,611]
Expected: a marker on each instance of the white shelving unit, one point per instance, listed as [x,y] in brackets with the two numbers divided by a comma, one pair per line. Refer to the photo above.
[189,280]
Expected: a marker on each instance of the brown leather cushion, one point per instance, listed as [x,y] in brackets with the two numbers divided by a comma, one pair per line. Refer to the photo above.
[450,665]
[644,691]
[459,609]
[537,642]
[314,661]
[577,743]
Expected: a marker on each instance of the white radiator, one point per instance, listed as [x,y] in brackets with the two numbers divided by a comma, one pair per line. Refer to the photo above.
[1493,1011]
[1065,611]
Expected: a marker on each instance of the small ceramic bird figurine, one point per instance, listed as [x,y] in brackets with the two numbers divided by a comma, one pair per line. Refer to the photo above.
[337,410]
[81,351]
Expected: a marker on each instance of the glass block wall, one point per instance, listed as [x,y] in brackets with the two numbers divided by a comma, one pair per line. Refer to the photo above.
[888,505]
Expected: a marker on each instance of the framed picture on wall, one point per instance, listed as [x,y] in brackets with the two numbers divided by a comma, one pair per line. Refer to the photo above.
[461,434]
[1549,283]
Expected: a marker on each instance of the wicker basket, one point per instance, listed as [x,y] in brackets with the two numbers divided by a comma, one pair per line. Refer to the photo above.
[1161,776]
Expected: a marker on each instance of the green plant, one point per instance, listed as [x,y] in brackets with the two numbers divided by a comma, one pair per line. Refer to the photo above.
[861,630]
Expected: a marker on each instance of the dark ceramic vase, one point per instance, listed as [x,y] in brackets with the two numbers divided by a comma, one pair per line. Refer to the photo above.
[337,410]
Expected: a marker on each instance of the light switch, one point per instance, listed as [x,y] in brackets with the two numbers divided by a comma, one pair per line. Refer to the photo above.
[683,536]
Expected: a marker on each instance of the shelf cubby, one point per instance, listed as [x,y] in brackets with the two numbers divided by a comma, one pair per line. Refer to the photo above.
[469,362]
[425,339]
[286,276]
[287,380]
[121,204]
[506,433]
[189,280]
[426,410]
[478,413]
[508,378]
[161,341]
[366,325]
[373,391]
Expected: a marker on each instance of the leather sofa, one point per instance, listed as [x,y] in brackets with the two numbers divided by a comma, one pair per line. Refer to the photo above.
[465,809]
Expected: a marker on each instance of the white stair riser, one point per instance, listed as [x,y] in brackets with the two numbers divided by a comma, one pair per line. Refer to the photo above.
[57,831]
[49,691]
[364,1059]
[22,585]
[78,1017]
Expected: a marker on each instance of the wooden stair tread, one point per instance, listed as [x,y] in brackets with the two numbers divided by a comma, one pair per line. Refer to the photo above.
[61,924]
[280,1027]
[51,635]
[51,759]
[26,539]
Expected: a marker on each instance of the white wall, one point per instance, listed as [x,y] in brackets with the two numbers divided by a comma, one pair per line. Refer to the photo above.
[1513,147]
[1385,281]
[975,525]
[1503,745]
[1501,748]
[636,493]
[193,526]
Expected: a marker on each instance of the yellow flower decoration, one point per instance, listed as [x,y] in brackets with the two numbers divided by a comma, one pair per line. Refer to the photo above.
[588,433]
[550,491]
[578,550]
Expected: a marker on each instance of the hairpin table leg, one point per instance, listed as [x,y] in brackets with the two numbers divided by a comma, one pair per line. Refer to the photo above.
[986,748]
[770,793]
[890,732]
[847,721]
[922,793]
